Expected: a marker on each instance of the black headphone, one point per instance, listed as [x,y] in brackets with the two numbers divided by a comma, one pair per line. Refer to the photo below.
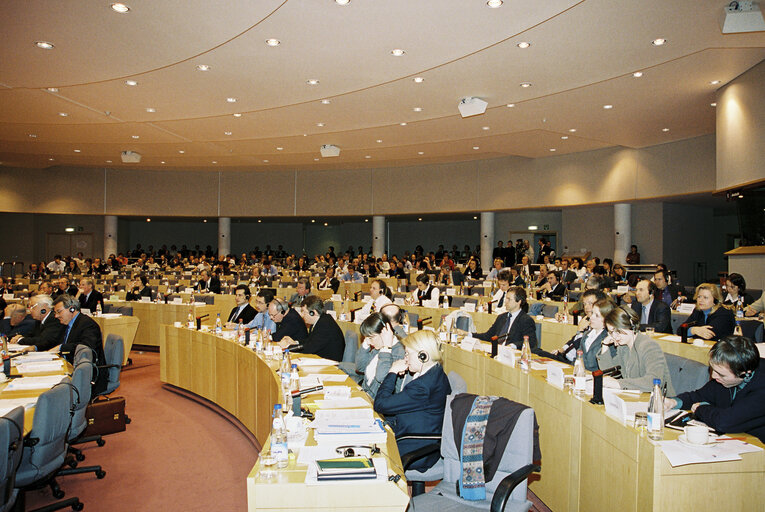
[423,356]
[350,450]
[311,312]
[43,311]
[281,305]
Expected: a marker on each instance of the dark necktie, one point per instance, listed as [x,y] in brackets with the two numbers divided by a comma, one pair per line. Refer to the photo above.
[501,300]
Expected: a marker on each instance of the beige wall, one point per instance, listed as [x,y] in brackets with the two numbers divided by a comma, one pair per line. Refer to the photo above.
[602,176]
[741,130]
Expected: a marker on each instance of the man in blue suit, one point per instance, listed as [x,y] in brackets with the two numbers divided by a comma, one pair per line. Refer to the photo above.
[516,323]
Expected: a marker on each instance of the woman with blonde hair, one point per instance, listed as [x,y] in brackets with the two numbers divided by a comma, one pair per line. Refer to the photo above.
[418,408]
[709,320]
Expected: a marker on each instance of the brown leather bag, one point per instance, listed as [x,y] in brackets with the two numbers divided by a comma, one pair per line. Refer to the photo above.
[105,416]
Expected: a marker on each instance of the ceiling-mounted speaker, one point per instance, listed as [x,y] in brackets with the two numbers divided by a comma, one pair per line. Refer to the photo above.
[742,16]
[472,107]
[328,150]
[131,157]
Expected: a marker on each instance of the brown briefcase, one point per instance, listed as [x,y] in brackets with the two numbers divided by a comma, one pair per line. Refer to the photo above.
[105,416]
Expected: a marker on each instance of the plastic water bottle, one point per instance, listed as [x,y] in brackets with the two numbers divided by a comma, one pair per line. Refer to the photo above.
[656,412]
[284,370]
[565,308]
[580,374]
[240,332]
[294,379]
[191,321]
[279,438]
[740,309]
[526,355]
[99,311]
[259,342]
[218,325]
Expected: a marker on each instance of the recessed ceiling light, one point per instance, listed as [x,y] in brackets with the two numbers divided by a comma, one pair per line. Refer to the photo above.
[273,42]
[510,105]
[151,110]
[120,8]
[203,67]
[475,217]
[494,3]
[52,89]
[45,45]
[637,74]
[418,79]
[181,151]
[305,135]
[77,151]
[313,220]
[326,224]
[525,85]
[523,45]
[659,42]
[63,114]
[608,107]
[204,220]
[33,135]
[108,161]
[564,137]
[51,159]
[402,124]
[397,52]
[553,149]
[279,148]
[265,161]
[312,81]
[476,147]
[226,133]
[319,124]
[325,102]
[136,136]
[713,104]
[315,159]
[231,100]
[342,2]
[417,109]
[714,82]
[419,218]
[420,152]
[260,220]
[665,129]
[237,115]
[215,161]
[572,130]
[162,162]
[366,220]
[131,82]
[148,219]
[368,156]
[379,141]
[485,128]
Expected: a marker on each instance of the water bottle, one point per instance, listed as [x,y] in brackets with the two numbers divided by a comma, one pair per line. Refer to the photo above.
[259,342]
[279,438]
[565,308]
[218,325]
[580,374]
[240,332]
[99,311]
[740,309]
[285,368]
[191,321]
[6,356]
[294,380]
[526,355]
[656,412]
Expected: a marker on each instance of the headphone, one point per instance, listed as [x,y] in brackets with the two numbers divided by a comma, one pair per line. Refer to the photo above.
[634,321]
[423,356]
[72,309]
[311,312]
[43,311]
[281,306]
[351,450]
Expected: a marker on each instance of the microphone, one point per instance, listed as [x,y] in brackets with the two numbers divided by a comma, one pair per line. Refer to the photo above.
[613,371]
[684,331]
[353,312]
[306,391]
[203,316]
[421,322]
[597,387]
[495,343]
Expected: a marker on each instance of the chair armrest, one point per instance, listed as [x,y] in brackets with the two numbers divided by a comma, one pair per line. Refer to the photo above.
[424,437]
[508,484]
[106,366]
[408,458]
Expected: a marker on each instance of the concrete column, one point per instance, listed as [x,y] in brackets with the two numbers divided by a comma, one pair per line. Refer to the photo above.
[110,235]
[224,235]
[622,231]
[378,235]
[487,240]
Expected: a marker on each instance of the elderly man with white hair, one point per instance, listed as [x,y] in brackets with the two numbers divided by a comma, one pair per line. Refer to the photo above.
[47,329]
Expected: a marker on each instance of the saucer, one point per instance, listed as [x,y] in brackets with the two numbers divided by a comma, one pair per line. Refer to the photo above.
[712,441]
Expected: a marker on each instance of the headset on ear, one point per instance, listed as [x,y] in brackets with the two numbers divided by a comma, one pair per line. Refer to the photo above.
[423,356]
[311,312]
[72,309]
[43,311]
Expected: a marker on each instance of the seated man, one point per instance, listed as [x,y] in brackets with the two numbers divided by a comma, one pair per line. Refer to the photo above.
[207,283]
[553,289]
[63,288]
[288,321]
[567,276]
[242,311]
[499,299]
[139,288]
[57,266]
[514,324]
[16,321]
[80,330]
[666,292]
[47,329]
[325,339]
[734,400]
[329,282]
[5,287]
[653,313]
[303,290]
[89,297]
[262,320]
[352,276]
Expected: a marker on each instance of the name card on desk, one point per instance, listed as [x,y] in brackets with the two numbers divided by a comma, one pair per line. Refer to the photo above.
[114,298]
[177,300]
[336,297]
[145,299]
[555,376]
[487,284]
[621,290]
[332,313]
[188,290]
[507,354]
[686,308]
[7,296]
[620,408]
[468,342]
[399,301]
[469,307]
[451,291]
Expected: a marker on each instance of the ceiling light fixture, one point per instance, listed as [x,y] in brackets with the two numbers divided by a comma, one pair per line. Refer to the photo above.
[419,218]
[665,129]
[108,161]
[279,148]
[181,151]
[553,149]
[418,79]
[52,89]
[120,8]
[368,156]
[397,52]
[231,100]
[510,105]
[237,115]
[523,45]
[136,136]
[131,83]
[226,133]
[417,109]
[659,42]
[77,151]
[215,161]
[33,135]
[608,107]
[402,124]
[637,74]
[325,102]
[148,219]
[713,104]
[50,159]
[162,162]
[265,161]
[379,141]
[63,114]
[525,85]
[564,137]
[714,82]
[320,125]
[151,110]
[273,42]
[494,4]
[342,2]
[485,128]
[45,45]
[312,81]
[420,152]
[476,147]
[203,67]
[572,130]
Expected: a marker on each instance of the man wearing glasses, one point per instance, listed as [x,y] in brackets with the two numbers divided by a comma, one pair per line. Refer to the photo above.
[47,330]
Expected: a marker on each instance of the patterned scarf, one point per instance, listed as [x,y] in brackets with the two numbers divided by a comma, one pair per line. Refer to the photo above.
[472,485]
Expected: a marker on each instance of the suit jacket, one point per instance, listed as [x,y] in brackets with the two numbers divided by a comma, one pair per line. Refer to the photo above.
[325,340]
[556,293]
[85,331]
[522,326]
[417,409]
[246,316]
[590,355]
[72,290]
[45,335]
[297,300]
[333,284]
[292,325]
[659,316]
[722,321]
[673,290]
[640,365]
[25,327]
[92,301]
[214,286]
[136,295]
[567,276]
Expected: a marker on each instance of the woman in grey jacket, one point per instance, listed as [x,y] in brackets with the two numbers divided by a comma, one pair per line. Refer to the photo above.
[377,352]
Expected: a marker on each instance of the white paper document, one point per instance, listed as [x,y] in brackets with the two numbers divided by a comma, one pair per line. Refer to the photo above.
[310,361]
[679,454]
[671,337]
[40,367]
[8,404]
[348,403]
[24,383]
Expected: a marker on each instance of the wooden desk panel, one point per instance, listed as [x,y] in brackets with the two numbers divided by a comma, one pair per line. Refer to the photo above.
[124,326]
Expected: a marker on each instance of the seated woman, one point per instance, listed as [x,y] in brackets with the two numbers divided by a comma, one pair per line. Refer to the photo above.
[734,400]
[418,408]
[639,356]
[597,307]
[473,270]
[426,294]
[619,275]
[377,352]
[736,287]
[711,321]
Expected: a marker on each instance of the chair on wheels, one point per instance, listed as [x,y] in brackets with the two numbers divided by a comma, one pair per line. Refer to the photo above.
[348,365]
[505,491]
[45,447]
[11,447]
[114,351]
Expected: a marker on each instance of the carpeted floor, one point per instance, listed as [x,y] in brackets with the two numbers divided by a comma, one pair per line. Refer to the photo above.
[176,455]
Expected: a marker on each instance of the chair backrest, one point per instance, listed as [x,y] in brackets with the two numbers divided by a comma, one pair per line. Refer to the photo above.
[458,302]
[329,305]
[351,346]
[518,453]
[549,310]
[413,317]
[114,352]
[82,378]
[82,353]
[749,328]
[457,383]
[11,448]
[463,323]
[677,319]
[535,308]
[686,374]
[538,329]
[50,425]
[124,310]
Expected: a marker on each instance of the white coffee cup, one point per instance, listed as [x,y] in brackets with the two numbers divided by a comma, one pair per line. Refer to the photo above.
[696,434]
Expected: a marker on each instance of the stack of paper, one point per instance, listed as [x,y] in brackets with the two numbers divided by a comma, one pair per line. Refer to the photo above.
[25,383]
[679,454]
[8,404]
[352,427]
[311,361]
[32,357]
[40,367]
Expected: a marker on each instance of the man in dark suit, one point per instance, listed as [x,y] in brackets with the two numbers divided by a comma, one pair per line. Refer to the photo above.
[330,282]
[207,283]
[243,311]
[665,291]
[288,321]
[553,289]
[79,329]
[325,339]
[17,321]
[515,322]
[303,289]
[63,287]
[140,288]
[651,311]
[566,276]
[88,296]
[47,330]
